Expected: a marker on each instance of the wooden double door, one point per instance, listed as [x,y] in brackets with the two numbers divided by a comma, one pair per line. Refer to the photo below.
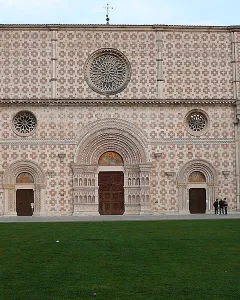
[197,201]
[111,193]
[24,198]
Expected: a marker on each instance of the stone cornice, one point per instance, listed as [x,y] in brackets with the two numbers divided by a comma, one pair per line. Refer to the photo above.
[114,102]
[116,27]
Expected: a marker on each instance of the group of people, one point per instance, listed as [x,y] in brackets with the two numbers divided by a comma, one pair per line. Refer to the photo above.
[220,206]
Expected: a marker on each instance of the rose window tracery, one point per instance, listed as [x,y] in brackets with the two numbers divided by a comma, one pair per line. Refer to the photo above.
[107,71]
[197,121]
[24,123]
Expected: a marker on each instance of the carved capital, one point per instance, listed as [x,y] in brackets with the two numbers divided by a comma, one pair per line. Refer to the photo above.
[158,155]
[226,173]
[170,174]
[61,156]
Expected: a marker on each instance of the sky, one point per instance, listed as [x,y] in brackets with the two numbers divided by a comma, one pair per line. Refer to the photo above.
[169,12]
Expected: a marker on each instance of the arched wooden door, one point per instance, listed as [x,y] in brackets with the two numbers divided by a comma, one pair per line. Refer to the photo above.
[24,198]
[111,193]
[197,200]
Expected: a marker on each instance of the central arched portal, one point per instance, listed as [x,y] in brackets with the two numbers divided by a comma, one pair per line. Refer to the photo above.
[110,184]
[111,170]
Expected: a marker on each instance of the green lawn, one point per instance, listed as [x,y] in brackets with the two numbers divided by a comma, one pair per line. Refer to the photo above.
[120,260]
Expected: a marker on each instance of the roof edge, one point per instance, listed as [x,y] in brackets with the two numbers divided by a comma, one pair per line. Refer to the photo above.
[115,26]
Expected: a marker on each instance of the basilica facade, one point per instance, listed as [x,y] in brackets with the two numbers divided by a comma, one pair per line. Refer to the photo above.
[118,119]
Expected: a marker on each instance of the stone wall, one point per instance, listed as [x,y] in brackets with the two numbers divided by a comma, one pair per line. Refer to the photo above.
[58,132]
[174,71]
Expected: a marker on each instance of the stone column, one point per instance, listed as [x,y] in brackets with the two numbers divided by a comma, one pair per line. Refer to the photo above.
[145,170]
[132,190]
[37,200]
[10,202]
[1,193]
[85,189]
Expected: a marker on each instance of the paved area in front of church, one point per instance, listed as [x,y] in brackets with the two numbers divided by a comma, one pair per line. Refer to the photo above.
[105,218]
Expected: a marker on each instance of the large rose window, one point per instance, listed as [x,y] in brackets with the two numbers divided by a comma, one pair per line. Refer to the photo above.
[107,71]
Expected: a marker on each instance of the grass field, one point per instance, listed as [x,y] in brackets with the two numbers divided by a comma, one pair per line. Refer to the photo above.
[120,260]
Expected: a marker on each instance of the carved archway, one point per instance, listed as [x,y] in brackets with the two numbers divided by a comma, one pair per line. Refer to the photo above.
[209,181]
[111,135]
[10,185]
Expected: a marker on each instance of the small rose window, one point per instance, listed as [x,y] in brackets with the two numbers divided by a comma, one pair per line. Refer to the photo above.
[24,123]
[196,122]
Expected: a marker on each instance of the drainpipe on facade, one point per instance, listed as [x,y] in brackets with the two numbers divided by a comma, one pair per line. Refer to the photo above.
[237,121]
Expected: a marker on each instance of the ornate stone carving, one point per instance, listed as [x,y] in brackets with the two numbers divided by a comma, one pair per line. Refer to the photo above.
[196,122]
[107,71]
[226,174]
[61,156]
[24,123]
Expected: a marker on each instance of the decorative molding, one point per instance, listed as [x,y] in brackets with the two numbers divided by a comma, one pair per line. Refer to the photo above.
[31,141]
[113,100]
[191,141]
[119,134]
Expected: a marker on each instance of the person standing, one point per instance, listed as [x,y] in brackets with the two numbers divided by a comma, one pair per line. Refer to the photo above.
[221,206]
[215,205]
[225,205]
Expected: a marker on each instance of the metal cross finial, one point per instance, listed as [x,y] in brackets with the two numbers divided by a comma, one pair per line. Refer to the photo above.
[107,17]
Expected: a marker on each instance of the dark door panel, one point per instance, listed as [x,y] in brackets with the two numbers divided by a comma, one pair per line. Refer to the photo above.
[111,193]
[197,201]
[24,198]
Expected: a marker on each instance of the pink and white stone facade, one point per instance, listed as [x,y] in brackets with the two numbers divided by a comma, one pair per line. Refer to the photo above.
[175,70]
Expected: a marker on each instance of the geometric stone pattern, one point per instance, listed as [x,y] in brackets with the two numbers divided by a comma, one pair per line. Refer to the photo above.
[222,157]
[162,126]
[236,59]
[197,65]
[25,64]
[74,48]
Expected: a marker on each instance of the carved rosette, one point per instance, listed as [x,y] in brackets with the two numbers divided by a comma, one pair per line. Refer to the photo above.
[107,71]
[24,123]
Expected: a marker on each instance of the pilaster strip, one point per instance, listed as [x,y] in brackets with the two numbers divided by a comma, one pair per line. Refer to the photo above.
[159,43]
[233,38]
[54,64]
